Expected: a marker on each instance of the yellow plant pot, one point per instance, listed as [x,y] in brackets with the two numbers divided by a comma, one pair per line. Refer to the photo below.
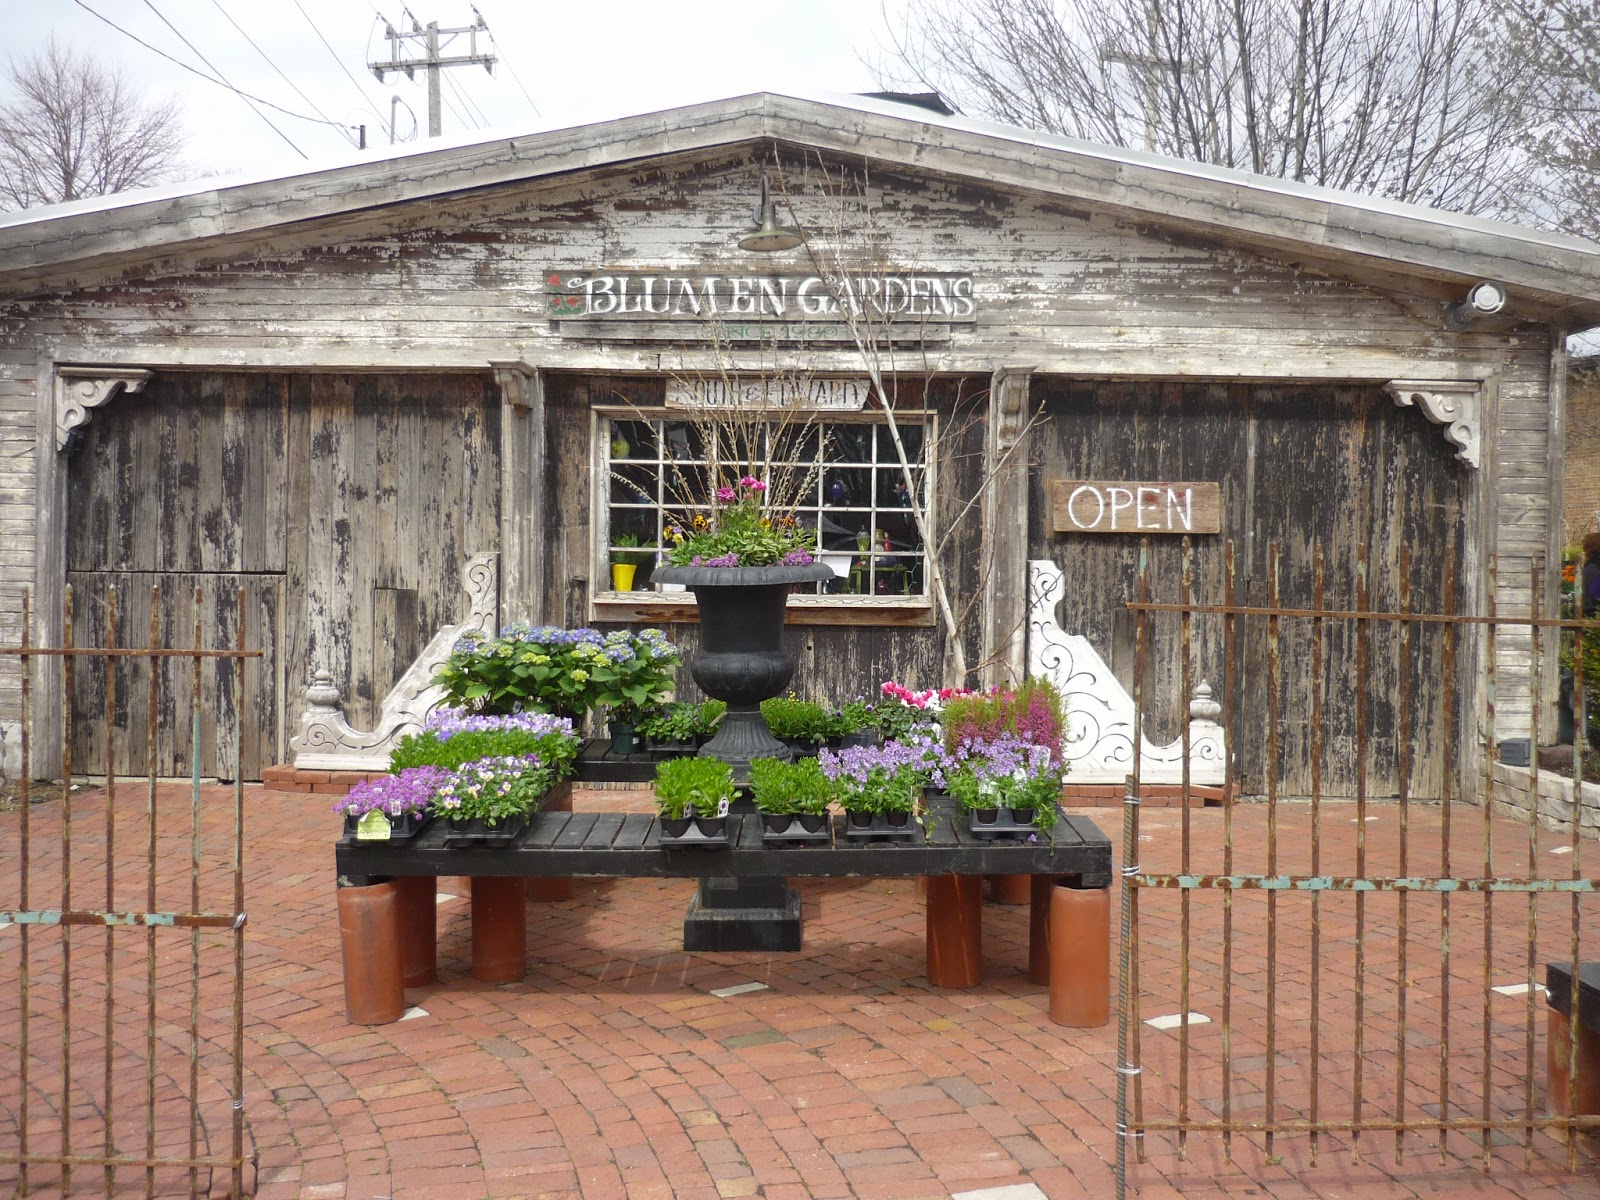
[622,576]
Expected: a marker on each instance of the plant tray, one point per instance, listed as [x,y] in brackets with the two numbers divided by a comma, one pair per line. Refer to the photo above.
[402,831]
[1004,826]
[693,837]
[879,829]
[661,751]
[476,836]
[795,834]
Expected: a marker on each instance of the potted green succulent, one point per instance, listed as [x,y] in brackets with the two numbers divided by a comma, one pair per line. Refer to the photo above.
[677,728]
[692,799]
[799,724]
[793,800]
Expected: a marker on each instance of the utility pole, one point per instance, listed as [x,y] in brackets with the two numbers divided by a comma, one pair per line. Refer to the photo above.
[429,36]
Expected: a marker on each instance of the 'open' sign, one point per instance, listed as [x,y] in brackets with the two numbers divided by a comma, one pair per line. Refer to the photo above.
[1103,506]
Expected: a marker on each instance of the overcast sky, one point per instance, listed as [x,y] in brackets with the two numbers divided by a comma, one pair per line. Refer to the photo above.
[561,63]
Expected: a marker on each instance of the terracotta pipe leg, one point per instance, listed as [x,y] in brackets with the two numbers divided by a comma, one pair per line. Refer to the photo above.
[416,897]
[559,800]
[955,930]
[1040,889]
[1080,957]
[1009,889]
[499,929]
[1588,1099]
[369,926]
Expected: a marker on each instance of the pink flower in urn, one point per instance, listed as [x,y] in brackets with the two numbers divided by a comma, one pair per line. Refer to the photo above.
[727,495]
[751,483]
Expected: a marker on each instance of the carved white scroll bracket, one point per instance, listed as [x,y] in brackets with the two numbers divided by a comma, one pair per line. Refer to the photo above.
[1455,404]
[518,383]
[328,742]
[1100,730]
[81,390]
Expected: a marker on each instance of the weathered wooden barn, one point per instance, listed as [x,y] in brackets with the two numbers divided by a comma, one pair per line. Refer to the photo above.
[339,390]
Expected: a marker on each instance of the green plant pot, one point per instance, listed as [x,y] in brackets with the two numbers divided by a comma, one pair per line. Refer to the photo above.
[625,738]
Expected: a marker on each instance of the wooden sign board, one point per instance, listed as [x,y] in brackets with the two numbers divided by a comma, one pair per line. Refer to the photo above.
[1102,506]
[816,392]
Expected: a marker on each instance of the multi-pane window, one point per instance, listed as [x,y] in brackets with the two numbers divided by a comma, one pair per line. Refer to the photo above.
[843,478]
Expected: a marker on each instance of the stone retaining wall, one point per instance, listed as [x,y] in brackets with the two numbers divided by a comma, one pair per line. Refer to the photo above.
[1514,797]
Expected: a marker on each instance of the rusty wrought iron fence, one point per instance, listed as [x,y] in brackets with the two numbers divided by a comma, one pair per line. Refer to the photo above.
[129,1050]
[1368,964]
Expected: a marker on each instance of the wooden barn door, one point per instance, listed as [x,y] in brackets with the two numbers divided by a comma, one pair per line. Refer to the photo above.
[183,487]
[344,506]
[1337,467]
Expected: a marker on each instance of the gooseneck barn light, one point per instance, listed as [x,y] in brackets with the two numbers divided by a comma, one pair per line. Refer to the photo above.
[1484,299]
[768,236]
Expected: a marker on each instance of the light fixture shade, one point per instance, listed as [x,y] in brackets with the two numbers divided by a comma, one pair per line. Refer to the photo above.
[1484,299]
[768,236]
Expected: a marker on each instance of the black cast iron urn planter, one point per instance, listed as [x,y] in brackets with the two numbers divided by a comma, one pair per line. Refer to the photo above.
[742,660]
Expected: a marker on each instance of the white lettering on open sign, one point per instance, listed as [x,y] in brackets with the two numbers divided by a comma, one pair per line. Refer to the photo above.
[1103,506]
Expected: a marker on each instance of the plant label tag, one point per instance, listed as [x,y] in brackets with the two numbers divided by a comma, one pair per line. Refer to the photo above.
[374,827]
[722,808]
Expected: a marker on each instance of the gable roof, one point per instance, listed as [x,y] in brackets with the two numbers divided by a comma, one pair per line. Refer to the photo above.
[1550,275]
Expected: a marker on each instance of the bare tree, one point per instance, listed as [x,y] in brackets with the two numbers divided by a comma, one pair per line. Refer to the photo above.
[75,129]
[1406,99]
[1557,43]
[847,245]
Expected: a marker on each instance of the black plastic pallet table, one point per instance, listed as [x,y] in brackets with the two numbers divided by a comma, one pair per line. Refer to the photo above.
[626,845]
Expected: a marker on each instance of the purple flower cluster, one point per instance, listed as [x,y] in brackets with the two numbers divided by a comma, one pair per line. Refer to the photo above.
[552,635]
[729,559]
[797,558]
[1006,757]
[411,791]
[447,722]
[484,784]
[859,762]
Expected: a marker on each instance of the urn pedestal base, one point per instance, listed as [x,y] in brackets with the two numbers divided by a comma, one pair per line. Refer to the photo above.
[756,913]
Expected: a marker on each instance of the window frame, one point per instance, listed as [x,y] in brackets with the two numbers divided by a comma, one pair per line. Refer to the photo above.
[653,607]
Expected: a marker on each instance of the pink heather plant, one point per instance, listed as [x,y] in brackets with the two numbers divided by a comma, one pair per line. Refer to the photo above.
[1030,714]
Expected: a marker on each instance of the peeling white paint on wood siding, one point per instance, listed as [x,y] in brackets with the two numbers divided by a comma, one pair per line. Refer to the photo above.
[456,283]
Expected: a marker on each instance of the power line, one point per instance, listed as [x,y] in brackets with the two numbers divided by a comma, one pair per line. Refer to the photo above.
[178,62]
[506,59]
[278,69]
[353,82]
[475,116]
[151,6]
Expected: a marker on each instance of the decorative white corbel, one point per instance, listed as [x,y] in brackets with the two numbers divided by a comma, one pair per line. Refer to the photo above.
[79,390]
[1454,403]
[518,382]
[328,742]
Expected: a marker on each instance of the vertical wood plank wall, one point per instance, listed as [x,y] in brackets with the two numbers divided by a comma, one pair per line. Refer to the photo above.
[343,505]
[1339,467]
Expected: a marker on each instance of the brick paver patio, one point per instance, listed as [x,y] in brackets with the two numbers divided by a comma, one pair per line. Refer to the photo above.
[613,1070]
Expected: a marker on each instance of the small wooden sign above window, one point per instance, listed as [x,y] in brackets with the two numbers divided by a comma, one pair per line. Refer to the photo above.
[818,392]
[1101,506]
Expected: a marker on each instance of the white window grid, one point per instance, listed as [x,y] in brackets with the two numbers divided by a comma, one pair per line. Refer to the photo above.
[867,525]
